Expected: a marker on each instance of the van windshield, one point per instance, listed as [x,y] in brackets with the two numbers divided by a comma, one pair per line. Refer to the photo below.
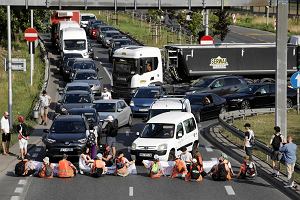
[154,112]
[156,130]
[75,44]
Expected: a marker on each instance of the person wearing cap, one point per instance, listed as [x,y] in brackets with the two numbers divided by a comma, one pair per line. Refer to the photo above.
[111,131]
[5,129]
[65,168]
[46,168]
[249,135]
[23,137]
[179,169]
[45,101]
[98,167]
[105,94]
[155,168]
[194,171]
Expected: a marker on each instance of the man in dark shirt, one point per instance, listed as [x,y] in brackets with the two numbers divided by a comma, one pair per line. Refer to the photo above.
[110,128]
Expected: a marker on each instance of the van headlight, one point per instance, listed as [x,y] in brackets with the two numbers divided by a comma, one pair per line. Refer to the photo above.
[162,147]
[133,146]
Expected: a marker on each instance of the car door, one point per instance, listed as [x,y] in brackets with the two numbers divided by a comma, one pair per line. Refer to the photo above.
[120,114]
[217,86]
[231,85]
[188,138]
[261,96]
[127,111]
[179,139]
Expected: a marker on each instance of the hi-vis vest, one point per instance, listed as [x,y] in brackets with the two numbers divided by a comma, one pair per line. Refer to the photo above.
[64,170]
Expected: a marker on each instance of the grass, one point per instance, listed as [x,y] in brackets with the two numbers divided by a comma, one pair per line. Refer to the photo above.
[24,95]
[142,31]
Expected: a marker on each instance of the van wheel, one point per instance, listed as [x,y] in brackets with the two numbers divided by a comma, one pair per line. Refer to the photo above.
[171,155]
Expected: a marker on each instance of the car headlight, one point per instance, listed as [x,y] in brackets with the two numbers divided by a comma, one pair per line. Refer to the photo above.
[131,103]
[237,100]
[162,147]
[63,109]
[50,140]
[82,141]
[85,54]
[133,146]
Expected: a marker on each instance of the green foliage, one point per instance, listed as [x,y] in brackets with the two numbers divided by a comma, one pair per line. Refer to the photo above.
[155,15]
[195,25]
[220,24]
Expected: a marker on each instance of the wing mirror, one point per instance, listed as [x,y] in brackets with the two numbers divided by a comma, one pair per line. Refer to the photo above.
[137,134]
[179,134]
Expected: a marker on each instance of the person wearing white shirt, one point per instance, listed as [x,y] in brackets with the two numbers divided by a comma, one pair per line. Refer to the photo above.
[105,94]
[5,133]
[45,101]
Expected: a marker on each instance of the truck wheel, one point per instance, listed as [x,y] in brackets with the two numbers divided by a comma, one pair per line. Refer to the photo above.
[289,103]
[171,155]
[245,105]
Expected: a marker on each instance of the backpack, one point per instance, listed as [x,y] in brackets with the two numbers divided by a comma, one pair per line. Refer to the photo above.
[48,171]
[20,168]
[252,140]
[195,174]
[276,142]
[250,169]
[155,168]
[91,140]
[119,164]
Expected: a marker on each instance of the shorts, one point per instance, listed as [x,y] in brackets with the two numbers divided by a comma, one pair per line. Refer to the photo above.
[44,111]
[248,151]
[23,144]
[276,156]
[111,141]
[6,137]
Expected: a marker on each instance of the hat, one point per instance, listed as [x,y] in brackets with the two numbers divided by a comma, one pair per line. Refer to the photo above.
[99,155]
[109,118]
[224,155]
[194,160]
[156,157]
[46,160]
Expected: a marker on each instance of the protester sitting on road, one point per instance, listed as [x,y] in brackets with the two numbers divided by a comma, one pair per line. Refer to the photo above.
[65,168]
[276,141]
[186,157]
[46,170]
[155,168]
[98,167]
[199,159]
[23,137]
[24,168]
[179,169]
[247,169]
[122,165]
[194,172]
[220,171]
[107,157]
[85,162]
[228,163]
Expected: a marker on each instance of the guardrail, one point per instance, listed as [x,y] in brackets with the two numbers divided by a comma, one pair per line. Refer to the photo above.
[226,120]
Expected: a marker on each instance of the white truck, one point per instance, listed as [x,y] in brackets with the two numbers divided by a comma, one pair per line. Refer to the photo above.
[62,25]
[85,17]
[74,40]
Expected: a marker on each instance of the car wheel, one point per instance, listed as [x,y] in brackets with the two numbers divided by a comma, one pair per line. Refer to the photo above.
[197,117]
[289,103]
[245,105]
[171,155]
[130,121]
[223,110]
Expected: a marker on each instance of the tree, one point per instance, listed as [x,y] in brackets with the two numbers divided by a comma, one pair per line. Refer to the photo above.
[220,24]
[195,25]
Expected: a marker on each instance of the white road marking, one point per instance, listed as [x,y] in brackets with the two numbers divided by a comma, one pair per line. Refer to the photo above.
[18,190]
[38,149]
[229,190]
[209,149]
[14,198]
[22,182]
[108,74]
[35,155]
[130,191]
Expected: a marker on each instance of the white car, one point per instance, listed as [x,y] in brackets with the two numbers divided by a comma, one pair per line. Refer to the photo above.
[165,135]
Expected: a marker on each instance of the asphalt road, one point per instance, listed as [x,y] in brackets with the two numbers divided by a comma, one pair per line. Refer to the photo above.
[135,186]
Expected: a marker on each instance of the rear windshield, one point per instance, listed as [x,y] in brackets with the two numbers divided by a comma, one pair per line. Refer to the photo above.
[86,76]
[90,116]
[84,88]
[105,107]
[60,127]
[77,98]
[84,65]
[146,93]
[87,18]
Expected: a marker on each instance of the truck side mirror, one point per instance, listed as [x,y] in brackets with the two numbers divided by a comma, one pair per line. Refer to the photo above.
[137,134]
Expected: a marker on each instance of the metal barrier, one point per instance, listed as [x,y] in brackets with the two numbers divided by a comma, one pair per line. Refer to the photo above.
[226,118]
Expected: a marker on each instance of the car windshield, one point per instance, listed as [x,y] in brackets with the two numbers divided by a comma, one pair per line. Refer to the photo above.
[154,112]
[61,127]
[84,88]
[125,65]
[202,82]
[75,44]
[87,18]
[90,116]
[84,65]
[70,62]
[86,76]
[77,98]
[146,93]
[111,34]
[105,107]
[158,131]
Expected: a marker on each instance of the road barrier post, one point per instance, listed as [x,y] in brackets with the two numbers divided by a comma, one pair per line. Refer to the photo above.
[9,67]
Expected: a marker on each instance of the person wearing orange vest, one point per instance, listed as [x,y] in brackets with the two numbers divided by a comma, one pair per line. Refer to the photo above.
[179,169]
[65,168]
[98,167]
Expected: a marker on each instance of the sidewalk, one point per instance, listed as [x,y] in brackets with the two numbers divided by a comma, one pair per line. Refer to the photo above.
[213,134]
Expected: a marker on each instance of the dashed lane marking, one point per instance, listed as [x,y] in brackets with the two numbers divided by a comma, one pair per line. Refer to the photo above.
[209,149]
[18,190]
[14,198]
[35,155]
[229,190]
[130,191]
[38,149]
[22,182]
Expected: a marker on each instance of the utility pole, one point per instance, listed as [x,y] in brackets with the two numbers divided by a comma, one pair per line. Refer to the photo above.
[31,46]
[281,70]
[205,17]
[9,67]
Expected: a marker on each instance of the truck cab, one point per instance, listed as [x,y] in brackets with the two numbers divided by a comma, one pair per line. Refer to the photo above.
[62,25]
[134,67]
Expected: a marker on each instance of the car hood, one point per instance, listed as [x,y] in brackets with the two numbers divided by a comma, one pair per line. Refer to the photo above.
[77,105]
[90,82]
[144,102]
[237,95]
[151,141]
[67,137]
[104,115]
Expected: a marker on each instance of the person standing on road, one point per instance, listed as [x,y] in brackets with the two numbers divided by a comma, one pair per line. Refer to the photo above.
[45,101]
[105,94]
[111,130]
[249,137]
[276,142]
[23,137]
[289,151]
[5,133]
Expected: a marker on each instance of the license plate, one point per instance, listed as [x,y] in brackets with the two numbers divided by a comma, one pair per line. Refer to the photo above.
[143,110]
[146,155]
[66,149]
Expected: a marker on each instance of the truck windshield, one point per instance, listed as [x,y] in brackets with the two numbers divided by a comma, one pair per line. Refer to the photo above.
[125,66]
[75,44]
[158,131]
[87,18]
[154,112]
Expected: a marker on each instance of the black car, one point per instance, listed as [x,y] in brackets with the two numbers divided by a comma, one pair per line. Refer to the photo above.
[66,62]
[220,85]
[84,63]
[206,105]
[260,95]
[67,135]
[116,44]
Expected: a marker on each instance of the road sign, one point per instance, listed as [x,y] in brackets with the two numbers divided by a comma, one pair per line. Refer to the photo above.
[31,34]
[295,80]
[207,39]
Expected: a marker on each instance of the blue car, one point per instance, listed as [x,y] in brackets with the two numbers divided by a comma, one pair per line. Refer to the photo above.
[143,98]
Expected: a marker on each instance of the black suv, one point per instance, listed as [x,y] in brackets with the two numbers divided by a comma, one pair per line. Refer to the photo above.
[220,85]
[67,135]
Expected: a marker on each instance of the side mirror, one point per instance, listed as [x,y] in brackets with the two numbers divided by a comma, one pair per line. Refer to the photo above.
[120,110]
[137,134]
[179,134]
[46,130]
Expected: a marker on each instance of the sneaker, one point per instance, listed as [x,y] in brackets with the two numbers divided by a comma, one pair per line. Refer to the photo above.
[81,172]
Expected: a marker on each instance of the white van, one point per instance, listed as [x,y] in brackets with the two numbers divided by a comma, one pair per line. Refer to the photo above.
[85,17]
[169,104]
[165,135]
[74,40]
[65,24]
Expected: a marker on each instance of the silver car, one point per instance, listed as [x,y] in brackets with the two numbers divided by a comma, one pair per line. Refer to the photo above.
[117,108]
[107,36]
[89,76]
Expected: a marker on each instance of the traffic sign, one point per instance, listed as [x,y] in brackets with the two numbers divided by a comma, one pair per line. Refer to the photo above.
[207,39]
[295,80]
[31,34]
